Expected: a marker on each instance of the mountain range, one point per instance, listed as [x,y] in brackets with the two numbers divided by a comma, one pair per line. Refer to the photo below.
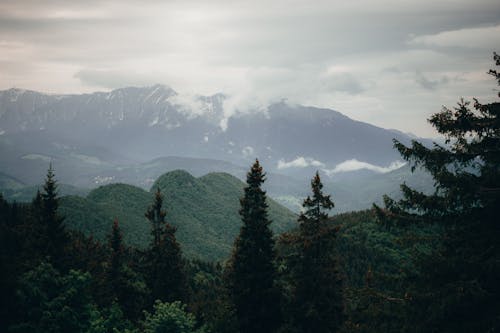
[133,135]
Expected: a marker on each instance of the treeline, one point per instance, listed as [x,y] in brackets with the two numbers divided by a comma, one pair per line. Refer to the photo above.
[425,263]
[57,280]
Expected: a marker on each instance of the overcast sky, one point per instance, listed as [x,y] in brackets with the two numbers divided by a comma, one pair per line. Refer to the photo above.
[391,63]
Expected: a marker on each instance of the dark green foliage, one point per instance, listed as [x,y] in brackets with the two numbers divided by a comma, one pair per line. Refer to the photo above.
[251,271]
[170,318]
[459,290]
[116,257]
[53,232]
[156,216]
[110,320]
[165,266]
[51,302]
[378,263]
[204,210]
[11,253]
[122,284]
[317,302]
[209,297]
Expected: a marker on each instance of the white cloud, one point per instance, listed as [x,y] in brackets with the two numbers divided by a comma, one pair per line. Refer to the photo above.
[190,104]
[300,162]
[248,151]
[355,165]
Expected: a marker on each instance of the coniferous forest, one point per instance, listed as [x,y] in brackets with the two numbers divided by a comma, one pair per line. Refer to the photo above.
[422,263]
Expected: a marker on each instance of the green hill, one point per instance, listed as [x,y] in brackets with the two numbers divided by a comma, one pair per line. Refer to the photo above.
[205,211]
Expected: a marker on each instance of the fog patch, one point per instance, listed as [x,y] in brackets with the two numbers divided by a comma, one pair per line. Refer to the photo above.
[355,165]
[300,162]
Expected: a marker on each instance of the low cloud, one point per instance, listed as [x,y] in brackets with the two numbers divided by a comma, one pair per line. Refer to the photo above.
[248,151]
[355,165]
[300,162]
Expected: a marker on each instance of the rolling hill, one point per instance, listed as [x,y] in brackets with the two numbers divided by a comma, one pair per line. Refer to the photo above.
[205,211]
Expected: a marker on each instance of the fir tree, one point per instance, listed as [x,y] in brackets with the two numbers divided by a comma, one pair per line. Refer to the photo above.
[54,234]
[458,290]
[251,272]
[166,274]
[317,302]
[123,285]
[116,261]
[156,215]
[117,249]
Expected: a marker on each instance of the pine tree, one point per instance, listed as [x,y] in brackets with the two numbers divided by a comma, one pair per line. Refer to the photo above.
[115,264]
[156,215]
[317,302]
[53,230]
[166,273]
[251,272]
[458,290]
[124,287]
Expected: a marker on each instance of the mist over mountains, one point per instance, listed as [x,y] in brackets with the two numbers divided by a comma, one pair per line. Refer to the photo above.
[140,124]
[134,135]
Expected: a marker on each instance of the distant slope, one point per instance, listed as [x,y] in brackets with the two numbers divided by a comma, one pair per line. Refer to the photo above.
[205,211]
[27,193]
[354,193]
[9,182]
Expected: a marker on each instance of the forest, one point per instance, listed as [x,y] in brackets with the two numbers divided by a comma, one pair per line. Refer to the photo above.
[423,263]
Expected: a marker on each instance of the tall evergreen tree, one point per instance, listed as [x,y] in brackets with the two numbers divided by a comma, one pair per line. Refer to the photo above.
[251,271]
[317,302]
[115,263]
[53,230]
[156,215]
[123,285]
[166,272]
[458,290]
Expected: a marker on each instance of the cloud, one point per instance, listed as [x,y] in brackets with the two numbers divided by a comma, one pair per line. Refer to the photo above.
[355,165]
[248,151]
[112,79]
[429,84]
[480,37]
[327,53]
[300,162]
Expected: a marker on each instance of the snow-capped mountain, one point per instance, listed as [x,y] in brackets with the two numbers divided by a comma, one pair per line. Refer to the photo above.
[139,124]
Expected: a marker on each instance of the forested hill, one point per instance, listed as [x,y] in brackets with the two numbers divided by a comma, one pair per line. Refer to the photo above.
[205,211]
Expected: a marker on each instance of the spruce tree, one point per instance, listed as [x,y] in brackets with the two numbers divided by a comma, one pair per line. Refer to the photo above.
[124,287]
[54,234]
[251,272]
[166,272]
[458,289]
[115,264]
[317,301]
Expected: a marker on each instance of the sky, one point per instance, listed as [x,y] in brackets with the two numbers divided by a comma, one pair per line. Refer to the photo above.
[391,63]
